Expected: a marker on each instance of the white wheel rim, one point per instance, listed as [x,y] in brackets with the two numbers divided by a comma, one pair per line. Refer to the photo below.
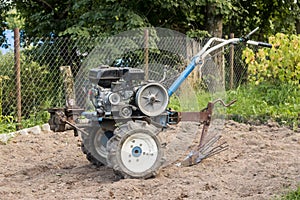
[139,152]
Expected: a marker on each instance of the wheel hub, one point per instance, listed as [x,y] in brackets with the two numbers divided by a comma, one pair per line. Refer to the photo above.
[139,152]
[136,151]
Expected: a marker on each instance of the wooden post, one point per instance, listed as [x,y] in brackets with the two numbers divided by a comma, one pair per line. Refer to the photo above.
[189,53]
[146,45]
[18,76]
[194,52]
[69,86]
[1,93]
[231,61]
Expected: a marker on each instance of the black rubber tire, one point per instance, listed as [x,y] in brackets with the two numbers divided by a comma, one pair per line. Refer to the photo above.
[94,146]
[115,144]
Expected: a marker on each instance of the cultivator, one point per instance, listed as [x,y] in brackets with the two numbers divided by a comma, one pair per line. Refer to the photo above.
[122,131]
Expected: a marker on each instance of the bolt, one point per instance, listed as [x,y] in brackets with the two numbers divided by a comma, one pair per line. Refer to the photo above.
[152,99]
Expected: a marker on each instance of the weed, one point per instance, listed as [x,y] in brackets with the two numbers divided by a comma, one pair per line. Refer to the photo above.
[292,195]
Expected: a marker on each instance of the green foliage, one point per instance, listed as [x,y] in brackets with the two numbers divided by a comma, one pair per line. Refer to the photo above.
[198,34]
[38,118]
[7,124]
[14,20]
[281,64]
[266,101]
[293,195]
[5,6]
[2,78]
[108,17]
[174,103]
[178,103]
[282,16]
[38,87]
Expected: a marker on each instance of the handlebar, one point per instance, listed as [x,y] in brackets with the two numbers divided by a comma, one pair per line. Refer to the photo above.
[206,50]
[199,57]
[246,39]
[262,44]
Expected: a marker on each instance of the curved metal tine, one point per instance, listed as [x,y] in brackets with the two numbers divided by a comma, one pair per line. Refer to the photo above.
[210,142]
[216,151]
[223,103]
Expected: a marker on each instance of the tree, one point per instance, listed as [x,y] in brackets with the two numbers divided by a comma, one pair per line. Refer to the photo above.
[5,6]
[82,17]
[108,17]
[271,16]
[102,17]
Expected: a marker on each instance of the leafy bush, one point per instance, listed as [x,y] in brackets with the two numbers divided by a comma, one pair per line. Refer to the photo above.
[281,64]
[37,86]
[38,89]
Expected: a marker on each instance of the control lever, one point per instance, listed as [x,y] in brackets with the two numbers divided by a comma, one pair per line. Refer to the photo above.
[251,33]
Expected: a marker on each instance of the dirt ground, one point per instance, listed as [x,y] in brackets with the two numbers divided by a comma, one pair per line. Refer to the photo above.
[262,162]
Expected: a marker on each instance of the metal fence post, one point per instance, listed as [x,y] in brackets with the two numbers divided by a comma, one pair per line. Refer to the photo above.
[146,45]
[18,76]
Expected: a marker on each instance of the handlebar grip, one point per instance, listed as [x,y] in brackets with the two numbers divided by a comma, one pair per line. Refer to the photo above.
[263,44]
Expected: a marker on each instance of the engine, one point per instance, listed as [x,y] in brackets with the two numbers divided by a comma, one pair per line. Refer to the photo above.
[122,93]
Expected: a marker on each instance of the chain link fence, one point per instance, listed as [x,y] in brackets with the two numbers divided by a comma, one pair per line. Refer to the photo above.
[162,57]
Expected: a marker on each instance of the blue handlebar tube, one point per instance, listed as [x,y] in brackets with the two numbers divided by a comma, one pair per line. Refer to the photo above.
[182,76]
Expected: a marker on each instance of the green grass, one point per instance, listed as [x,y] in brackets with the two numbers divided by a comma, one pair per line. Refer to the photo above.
[292,195]
[7,124]
[195,103]
[280,103]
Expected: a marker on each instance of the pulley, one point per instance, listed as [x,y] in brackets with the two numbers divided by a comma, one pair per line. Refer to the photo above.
[152,99]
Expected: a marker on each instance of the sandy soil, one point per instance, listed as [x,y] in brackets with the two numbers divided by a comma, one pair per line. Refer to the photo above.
[262,162]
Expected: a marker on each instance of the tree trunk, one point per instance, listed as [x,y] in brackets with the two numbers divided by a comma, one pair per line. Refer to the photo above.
[214,22]
[298,26]
[214,26]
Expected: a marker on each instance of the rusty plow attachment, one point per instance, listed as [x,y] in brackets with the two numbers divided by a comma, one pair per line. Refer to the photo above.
[206,147]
